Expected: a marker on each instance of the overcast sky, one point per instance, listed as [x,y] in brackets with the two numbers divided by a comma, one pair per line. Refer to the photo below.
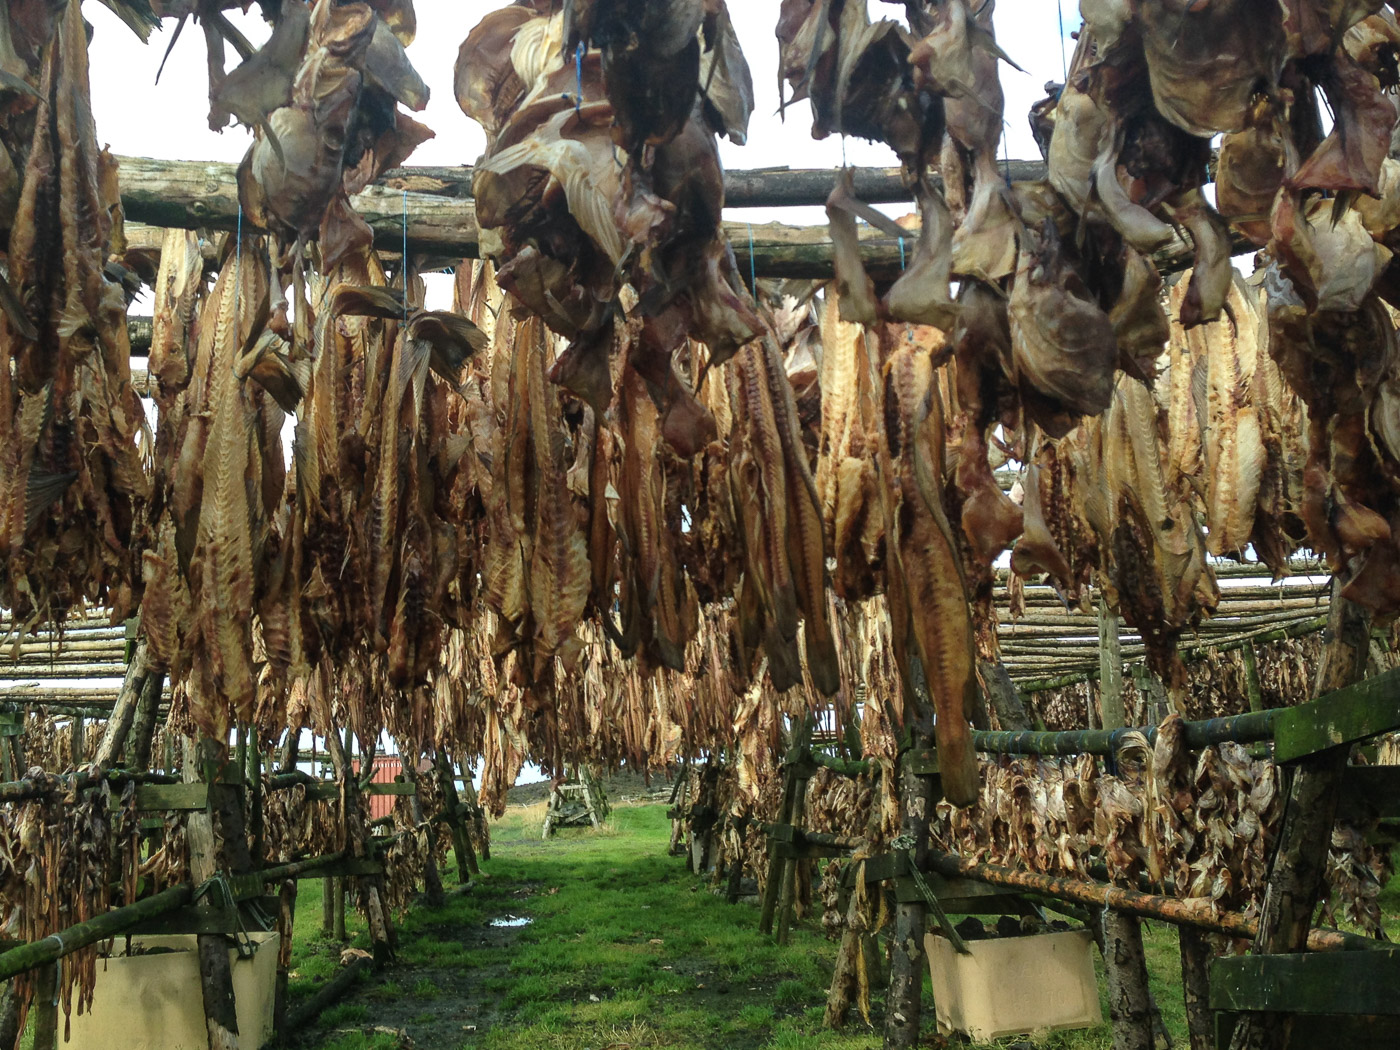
[138,117]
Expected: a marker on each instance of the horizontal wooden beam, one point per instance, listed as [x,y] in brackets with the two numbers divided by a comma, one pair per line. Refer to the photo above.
[1199,912]
[443,229]
[1330,983]
[1366,709]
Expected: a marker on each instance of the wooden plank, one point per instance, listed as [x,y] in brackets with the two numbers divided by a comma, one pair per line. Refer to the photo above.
[922,763]
[1308,983]
[1312,1031]
[201,920]
[326,791]
[1341,717]
[166,797]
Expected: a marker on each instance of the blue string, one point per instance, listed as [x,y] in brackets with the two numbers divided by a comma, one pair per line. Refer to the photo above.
[901,253]
[753,269]
[578,75]
[405,255]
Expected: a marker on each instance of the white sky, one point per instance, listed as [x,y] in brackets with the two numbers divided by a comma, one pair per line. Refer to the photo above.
[168,120]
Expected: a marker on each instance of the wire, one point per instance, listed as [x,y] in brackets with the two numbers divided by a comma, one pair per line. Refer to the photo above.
[237,266]
[1064,62]
[753,268]
[404,265]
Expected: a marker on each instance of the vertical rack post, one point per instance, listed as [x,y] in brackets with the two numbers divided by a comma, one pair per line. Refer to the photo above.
[1120,940]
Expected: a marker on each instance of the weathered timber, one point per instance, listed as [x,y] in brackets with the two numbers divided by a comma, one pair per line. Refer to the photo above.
[461,841]
[99,928]
[328,993]
[918,794]
[45,1006]
[1296,874]
[1193,911]
[432,881]
[28,788]
[1196,955]
[1246,728]
[1005,699]
[1336,983]
[286,908]
[200,195]
[1125,969]
[219,825]
[1120,934]
[1343,716]
[161,798]
[1251,679]
[143,730]
[752,188]
[357,835]
[124,710]
[792,865]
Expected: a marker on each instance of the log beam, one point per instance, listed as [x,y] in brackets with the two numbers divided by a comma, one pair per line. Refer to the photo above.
[204,195]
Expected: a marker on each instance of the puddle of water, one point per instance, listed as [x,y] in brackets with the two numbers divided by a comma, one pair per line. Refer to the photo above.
[512,920]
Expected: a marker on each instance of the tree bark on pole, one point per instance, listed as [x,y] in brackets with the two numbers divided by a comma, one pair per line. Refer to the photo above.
[1120,935]
[380,930]
[1196,954]
[461,838]
[220,823]
[143,730]
[1006,701]
[1299,862]
[917,796]
[432,881]
[123,715]
[286,909]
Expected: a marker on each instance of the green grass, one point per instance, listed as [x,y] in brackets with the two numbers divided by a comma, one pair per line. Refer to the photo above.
[626,948]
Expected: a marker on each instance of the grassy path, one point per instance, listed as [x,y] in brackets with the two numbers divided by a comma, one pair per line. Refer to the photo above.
[623,950]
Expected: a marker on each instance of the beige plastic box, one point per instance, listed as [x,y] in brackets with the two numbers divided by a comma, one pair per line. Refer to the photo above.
[154,1002]
[1014,985]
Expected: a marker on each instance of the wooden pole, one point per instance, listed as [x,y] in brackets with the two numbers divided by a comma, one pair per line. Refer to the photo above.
[143,729]
[1196,955]
[1006,702]
[123,715]
[202,195]
[917,795]
[253,778]
[432,881]
[286,909]
[1299,863]
[357,834]
[206,829]
[787,810]
[1125,964]
[11,1007]
[461,840]
[1181,911]
[1251,677]
[327,994]
[792,866]
[44,1006]
[479,836]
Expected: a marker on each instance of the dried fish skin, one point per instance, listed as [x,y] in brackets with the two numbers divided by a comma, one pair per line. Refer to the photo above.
[1206,62]
[72,478]
[846,479]
[1230,443]
[923,577]
[1063,345]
